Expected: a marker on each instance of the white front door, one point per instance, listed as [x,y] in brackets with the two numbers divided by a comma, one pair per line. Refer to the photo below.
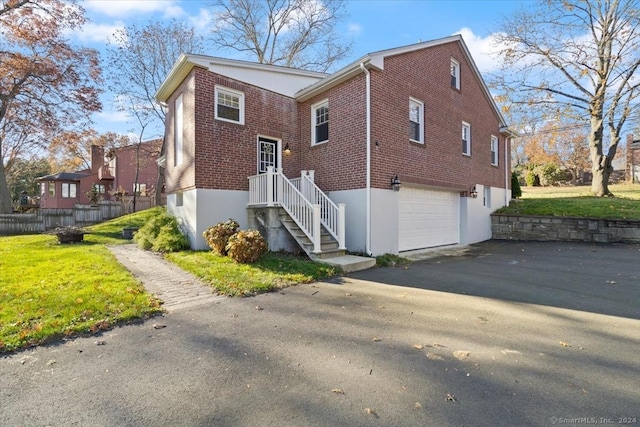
[268,154]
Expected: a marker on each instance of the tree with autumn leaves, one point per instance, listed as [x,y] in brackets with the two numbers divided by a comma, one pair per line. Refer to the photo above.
[47,85]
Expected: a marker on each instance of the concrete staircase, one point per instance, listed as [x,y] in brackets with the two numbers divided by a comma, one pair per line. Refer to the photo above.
[329,252]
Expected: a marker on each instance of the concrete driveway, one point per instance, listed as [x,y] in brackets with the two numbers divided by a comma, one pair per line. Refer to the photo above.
[507,334]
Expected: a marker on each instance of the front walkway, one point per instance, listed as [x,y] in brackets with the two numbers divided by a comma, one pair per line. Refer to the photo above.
[176,288]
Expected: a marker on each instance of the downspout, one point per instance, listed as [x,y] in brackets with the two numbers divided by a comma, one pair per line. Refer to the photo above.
[367,231]
[507,174]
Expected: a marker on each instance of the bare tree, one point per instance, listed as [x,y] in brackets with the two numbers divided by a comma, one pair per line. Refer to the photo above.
[292,33]
[139,60]
[46,84]
[580,58]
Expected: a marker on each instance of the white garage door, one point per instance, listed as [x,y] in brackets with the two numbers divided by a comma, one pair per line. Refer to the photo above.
[428,218]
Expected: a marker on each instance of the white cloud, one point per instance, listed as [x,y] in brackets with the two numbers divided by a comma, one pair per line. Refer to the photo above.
[92,32]
[202,22]
[354,29]
[125,8]
[482,50]
[113,116]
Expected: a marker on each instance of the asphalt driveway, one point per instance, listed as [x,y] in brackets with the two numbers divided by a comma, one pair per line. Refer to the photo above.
[508,334]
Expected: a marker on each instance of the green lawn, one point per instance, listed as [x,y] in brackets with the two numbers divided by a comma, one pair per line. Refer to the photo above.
[49,290]
[577,202]
[273,271]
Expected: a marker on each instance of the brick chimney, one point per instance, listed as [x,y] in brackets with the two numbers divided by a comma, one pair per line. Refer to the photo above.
[97,158]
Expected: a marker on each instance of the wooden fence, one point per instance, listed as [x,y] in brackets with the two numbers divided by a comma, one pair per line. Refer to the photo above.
[47,219]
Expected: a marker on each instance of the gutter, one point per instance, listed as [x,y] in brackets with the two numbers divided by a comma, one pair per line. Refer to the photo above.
[367,231]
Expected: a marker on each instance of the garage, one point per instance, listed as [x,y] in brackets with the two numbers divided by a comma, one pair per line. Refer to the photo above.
[428,218]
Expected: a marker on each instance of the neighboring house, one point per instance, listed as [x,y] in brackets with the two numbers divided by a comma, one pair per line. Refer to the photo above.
[632,170]
[115,172]
[419,116]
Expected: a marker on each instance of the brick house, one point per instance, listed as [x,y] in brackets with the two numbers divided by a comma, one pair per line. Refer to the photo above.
[107,174]
[632,169]
[275,148]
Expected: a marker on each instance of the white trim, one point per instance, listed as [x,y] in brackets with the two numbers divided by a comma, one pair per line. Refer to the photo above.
[468,126]
[225,90]
[314,107]
[178,131]
[455,66]
[421,123]
[495,143]
[368,165]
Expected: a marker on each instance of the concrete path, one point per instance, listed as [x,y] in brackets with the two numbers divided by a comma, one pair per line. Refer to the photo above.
[176,288]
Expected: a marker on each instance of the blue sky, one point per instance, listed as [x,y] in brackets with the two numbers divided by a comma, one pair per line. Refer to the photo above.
[372,25]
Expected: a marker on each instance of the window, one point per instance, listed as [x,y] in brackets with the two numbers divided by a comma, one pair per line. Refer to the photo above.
[466,139]
[320,123]
[69,190]
[99,188]
[179,199]
[486,196]
[140,188]
[416,120]
[52,189]
[229,105]
[43,189]
[455,74]
[494,150]
[178,130]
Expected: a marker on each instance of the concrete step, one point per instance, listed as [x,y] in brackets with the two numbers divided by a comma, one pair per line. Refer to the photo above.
[349,263]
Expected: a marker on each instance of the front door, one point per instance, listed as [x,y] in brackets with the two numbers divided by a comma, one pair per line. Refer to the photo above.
[268,154]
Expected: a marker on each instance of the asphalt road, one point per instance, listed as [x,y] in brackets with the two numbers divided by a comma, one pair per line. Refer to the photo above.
[509,334]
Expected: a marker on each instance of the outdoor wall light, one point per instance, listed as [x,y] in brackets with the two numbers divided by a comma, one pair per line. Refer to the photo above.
[473,192]
[395,183]
[287,150]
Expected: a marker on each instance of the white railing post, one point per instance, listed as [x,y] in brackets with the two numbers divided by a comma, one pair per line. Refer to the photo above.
[341,226]
[311,175]
[279,186]
[303,184]
[317,248]
[270,186]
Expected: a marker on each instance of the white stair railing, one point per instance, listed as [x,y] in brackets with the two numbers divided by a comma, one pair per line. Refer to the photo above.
[332,216]
[305,203]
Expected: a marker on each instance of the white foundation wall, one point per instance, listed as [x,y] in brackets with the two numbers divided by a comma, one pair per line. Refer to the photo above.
[475,217]
[384,219]
[203,208]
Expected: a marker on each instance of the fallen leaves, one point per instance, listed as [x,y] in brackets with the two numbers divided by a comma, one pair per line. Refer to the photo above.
[461,355]
[418,346]
[434,356]
[564,344]
[337,391]
[450,398]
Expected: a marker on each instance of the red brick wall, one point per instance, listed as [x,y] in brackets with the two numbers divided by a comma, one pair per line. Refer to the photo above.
[339,164]
[125,173]
[425,75]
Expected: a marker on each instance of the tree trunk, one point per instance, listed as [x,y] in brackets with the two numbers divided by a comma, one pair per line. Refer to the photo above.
[5,196]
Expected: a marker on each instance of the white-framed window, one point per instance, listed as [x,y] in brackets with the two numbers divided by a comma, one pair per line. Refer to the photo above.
[455,74]
[494,150]
[466,139]
[140,188]
[229,105]
[52,189]
[320,123]
[486,196]
[179,199]
[178,124]
[416,120]
[100,188]
[69,190]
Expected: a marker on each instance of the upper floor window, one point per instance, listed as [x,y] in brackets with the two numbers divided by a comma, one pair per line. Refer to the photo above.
[320,123]
[455,74]
[416,120]
[179,130]
[69,190]
[494,150]
[229,105]
[466,139]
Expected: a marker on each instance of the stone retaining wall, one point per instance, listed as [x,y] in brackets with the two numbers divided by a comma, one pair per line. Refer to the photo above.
[570,229]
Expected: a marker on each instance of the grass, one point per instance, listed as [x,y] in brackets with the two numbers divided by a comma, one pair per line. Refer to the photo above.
[49,291]
[271,272]
[578,202]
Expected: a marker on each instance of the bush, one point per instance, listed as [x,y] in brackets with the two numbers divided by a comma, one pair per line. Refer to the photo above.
[162,234]
[246,246]
[549,174]
[218,235]
[516,191]
[531,179]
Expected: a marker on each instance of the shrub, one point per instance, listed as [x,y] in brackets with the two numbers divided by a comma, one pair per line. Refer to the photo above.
[218,235]
[246,246]
[162,234]
[531,179]
[549,174]
[516,191]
